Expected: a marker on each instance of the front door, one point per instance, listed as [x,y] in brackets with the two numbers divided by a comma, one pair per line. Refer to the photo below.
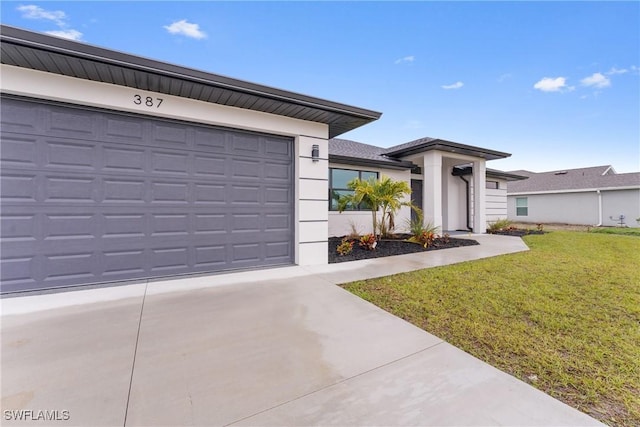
[416,196]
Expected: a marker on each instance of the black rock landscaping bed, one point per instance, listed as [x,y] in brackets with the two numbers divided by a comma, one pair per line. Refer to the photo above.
[389,247]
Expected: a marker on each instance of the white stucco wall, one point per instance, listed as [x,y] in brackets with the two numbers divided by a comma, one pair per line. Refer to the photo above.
[579,208]
[311,186]
[454,197]
[617,202]
[565,208]
[340,224]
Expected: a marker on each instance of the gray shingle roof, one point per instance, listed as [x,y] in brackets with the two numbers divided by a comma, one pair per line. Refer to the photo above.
[357,153]
[410,144]
[573,179]
[348,151]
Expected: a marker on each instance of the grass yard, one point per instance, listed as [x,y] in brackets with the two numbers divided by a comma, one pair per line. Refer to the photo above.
[564,317]
[617,230]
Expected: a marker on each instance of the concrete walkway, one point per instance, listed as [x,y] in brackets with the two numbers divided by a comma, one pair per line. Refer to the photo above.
[273,347]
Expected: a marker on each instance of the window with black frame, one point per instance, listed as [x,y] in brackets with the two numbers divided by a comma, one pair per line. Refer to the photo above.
[338,180]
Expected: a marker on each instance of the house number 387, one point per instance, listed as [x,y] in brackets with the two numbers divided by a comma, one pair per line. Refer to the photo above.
[147,100]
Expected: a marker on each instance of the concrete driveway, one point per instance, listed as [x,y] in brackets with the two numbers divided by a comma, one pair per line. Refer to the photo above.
[276,347]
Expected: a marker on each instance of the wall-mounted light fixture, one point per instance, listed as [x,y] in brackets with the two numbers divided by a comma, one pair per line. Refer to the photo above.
[315,152]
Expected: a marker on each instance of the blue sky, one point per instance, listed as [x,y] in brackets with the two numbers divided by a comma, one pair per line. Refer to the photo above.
[557,84]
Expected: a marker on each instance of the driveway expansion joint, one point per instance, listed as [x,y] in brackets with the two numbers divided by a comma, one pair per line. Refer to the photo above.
[135,352]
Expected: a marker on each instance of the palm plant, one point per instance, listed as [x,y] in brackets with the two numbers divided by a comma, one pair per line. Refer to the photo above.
[384,195]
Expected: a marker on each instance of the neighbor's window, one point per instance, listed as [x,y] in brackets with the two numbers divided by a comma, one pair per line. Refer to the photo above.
[493,185]
[522,208]
[338,179]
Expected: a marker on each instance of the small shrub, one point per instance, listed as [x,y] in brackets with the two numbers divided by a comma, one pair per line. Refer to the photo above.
[368,242]
[345,247]
[499,225]
[417,227]
[540,227]
[446,238]
[426,238]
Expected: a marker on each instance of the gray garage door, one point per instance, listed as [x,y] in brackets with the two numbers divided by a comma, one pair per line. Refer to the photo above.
[92,196]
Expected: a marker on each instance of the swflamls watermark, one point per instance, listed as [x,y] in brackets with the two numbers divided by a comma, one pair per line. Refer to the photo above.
[36,415]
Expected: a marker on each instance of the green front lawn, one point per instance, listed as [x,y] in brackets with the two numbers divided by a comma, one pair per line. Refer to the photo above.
[617,230]
[564,316]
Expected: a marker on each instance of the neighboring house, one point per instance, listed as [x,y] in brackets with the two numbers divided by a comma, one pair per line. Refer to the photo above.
[586,196]
[441,177]
[116,167]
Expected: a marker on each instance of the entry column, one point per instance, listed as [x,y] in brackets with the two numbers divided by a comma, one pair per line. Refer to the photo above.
[432,188]
[479,196]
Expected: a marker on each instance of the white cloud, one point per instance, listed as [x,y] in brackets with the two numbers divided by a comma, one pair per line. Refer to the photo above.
[596,80]
[504,77]
[551,84]
[58,17]
[456,85]
[615,70]
[409,58]
[66,34]
[185,28]
[31,11]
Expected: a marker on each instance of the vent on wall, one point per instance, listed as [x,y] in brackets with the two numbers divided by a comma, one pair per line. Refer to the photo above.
[561,173]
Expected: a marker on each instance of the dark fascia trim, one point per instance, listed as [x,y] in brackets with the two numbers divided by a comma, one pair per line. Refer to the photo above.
[506,176]
[468,170]
[79,50]
[452,147]
[355,161]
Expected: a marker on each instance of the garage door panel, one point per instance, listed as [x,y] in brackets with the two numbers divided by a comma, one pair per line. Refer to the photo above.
[170,162]
[277,196]
[16,227]
[210,193]
[22,118]
[246,194]
[69,226]
[171,135]
[70,188]
[169,192]
[17,273]
[70,266]
[210,256]
[206,165]
[117,198]
[71,155]
[246,169]
[124,262]
[277,222]
[278,148]
[163,225]
[18,187]
[18,150]
[123,159]
[277,172]
[125,191]
[210,223]
[175,259]
[245,253]
[71,124]
[124,129]
[245,144]
[277,251]
[211,140]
